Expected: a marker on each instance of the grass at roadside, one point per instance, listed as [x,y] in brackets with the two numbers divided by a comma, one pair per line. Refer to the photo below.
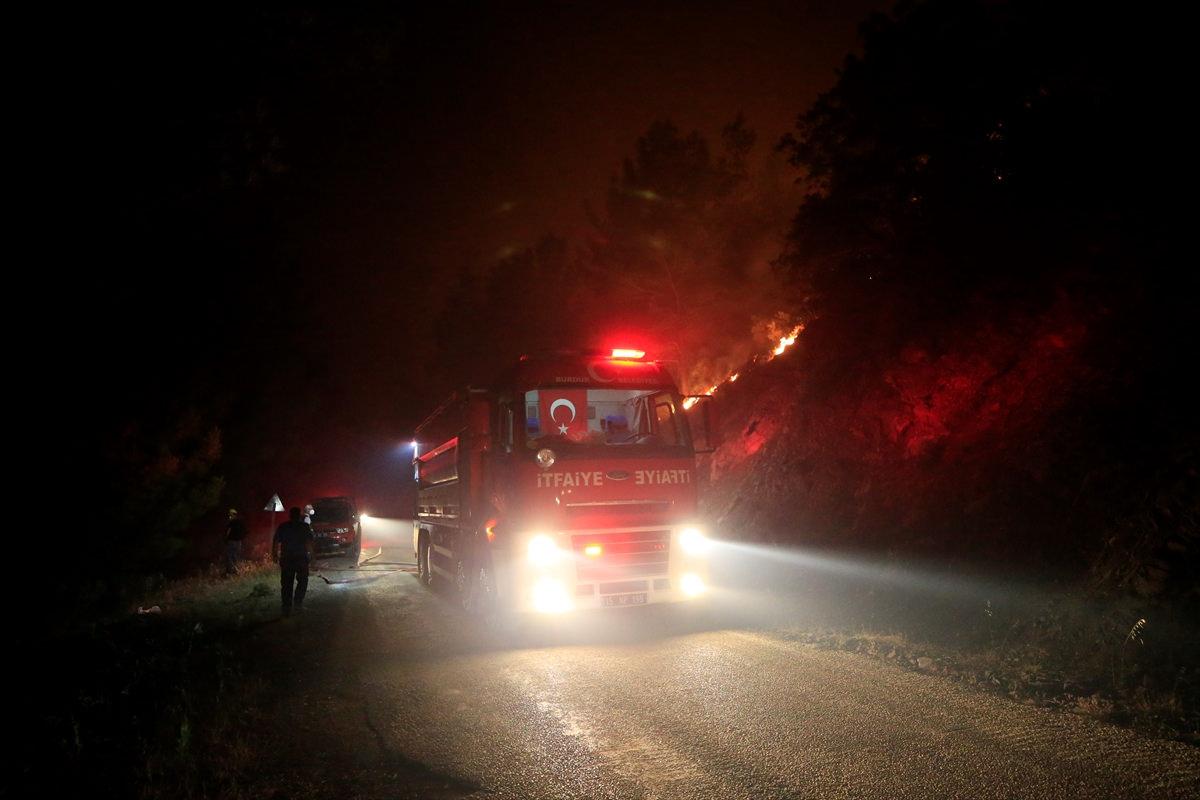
[1120,659]
[250,596]
[154,704]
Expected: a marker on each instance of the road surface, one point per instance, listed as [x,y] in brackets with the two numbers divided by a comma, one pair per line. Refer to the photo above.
[388,690]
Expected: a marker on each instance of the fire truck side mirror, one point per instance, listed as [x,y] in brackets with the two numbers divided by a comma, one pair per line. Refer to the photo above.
[704,423]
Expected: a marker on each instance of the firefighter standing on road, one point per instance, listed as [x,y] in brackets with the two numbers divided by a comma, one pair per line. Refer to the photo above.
[292,548]
[235,534]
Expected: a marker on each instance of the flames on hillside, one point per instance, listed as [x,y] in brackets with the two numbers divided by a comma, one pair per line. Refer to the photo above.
[782,344]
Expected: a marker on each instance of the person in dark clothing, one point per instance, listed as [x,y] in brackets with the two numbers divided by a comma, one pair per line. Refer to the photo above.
[292,549]
[235,534]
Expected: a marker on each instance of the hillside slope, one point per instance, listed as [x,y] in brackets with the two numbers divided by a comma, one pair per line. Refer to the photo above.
[1018,431]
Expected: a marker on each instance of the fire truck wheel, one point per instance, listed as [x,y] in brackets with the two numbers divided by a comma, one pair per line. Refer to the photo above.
[462,583]
[424,573]
[475,585]
[482,600]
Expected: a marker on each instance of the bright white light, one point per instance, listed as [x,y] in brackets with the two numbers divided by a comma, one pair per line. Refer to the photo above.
[691,584]
[363,517]
[550,596]
[414,445]
[693,542]
[543,551]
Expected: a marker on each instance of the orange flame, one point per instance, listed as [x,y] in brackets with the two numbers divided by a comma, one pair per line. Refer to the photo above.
[785,341]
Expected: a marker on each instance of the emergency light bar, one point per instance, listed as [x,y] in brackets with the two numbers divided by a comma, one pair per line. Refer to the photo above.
[615,354]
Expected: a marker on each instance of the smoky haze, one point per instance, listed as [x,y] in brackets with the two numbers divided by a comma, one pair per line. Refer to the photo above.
[293,203]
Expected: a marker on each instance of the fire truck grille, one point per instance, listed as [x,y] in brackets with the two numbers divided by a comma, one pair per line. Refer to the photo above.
[623,555]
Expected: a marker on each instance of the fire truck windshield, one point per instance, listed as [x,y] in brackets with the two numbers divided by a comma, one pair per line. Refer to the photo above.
[609,417]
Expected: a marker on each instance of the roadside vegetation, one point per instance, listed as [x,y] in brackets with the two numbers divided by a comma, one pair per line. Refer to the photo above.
[1117,658]
[155,701]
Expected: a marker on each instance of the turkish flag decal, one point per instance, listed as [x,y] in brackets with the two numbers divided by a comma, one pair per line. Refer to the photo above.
[564,412]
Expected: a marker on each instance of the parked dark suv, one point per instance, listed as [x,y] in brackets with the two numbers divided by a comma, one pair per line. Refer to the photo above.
[336,525]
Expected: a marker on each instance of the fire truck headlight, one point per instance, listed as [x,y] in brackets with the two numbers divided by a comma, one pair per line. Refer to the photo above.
[693,542]
[550,596]
[545,458]
[692,584]
[543,552]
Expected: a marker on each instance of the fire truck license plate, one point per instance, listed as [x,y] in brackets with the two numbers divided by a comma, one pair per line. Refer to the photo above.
[624,599]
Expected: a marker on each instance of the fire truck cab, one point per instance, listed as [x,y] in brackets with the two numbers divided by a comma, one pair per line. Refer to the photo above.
[571,485]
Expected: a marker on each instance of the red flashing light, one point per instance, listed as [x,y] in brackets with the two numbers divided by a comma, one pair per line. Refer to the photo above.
[624,353]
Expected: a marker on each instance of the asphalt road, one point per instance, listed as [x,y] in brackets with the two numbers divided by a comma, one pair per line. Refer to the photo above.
[385,689]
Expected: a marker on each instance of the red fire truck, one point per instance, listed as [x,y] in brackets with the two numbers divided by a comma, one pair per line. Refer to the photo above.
[570,485]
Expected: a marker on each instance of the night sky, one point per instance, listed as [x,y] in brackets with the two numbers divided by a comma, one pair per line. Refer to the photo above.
[276,200]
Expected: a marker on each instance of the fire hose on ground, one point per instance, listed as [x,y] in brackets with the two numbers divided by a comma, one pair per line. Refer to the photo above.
[399,567]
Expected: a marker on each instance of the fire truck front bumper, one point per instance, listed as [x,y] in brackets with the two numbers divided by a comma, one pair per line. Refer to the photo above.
[597,569]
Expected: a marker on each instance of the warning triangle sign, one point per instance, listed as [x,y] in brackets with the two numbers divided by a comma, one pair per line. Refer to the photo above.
[274,504]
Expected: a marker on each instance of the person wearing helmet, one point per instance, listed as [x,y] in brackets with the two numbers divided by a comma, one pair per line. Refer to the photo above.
[235,534]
